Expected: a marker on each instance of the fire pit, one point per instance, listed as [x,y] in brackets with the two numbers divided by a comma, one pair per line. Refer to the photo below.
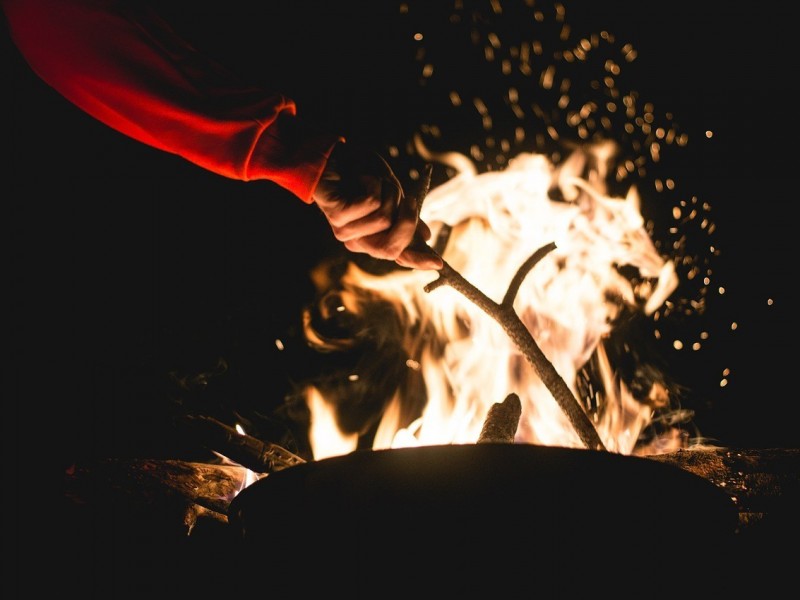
[497,515]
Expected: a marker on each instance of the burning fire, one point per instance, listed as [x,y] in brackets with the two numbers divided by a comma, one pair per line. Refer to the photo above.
[549,145]
[489,224]
[561,147]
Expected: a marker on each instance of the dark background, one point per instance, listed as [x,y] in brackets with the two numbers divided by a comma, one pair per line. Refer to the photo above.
[132,271]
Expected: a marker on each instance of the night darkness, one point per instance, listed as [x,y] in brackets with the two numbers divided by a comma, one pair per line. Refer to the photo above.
[133,271]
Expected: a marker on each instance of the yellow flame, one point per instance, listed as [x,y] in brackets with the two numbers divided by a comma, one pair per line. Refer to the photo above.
[325,437]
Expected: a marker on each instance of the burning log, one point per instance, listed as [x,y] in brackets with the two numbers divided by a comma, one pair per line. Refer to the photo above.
[507,318]
[186,491]
[248,451]
[762,482]
[502,421]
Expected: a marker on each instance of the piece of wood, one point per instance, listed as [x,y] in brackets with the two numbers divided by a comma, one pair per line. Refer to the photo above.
[157,482]
[761,481]
[257,455]
[502,421]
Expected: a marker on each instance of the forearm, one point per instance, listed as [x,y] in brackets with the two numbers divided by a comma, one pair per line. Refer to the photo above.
[129,70]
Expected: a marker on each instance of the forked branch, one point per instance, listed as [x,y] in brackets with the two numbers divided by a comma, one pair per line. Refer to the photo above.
[508,319]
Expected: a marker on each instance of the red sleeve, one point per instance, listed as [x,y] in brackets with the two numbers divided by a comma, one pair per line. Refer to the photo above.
[128,69]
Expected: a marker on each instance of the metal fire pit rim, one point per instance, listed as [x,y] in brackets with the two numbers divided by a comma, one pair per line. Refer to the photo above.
[554,479]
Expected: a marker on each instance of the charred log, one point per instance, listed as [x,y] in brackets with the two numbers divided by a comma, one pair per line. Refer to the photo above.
[246,450]
[764,484]
[502,421]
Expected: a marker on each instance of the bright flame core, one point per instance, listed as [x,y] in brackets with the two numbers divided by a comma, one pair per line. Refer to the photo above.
[493,222]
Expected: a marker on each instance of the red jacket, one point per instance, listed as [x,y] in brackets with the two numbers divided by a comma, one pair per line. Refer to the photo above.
[127,68]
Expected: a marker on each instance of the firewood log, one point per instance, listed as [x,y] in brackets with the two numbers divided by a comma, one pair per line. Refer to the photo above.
[502,421]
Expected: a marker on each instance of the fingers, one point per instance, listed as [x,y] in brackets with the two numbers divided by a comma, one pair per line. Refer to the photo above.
[360,220]
[412,258]
[396,234]
[377,212]
[404,243]
[427,260]
[362,210]
[418,255]
[411,233]
[363,201]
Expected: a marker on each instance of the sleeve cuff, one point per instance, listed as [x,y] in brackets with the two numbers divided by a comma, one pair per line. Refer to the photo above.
[292,154]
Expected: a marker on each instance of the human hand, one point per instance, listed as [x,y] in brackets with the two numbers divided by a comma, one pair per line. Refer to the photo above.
[364,204]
